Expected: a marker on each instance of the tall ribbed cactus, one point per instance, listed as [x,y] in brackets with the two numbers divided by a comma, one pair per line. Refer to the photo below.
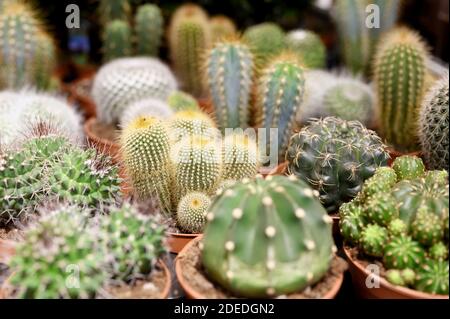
[399,77]
[116,40]
[267,237]
[189,36]
[229,73]
[44,61]
[433,126]
[149,25]
[110,10]
[309,48]
[222,28]
[280,94]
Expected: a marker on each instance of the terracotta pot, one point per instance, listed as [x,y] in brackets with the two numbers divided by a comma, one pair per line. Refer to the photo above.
[86,103]
[178,241]
[386,290]
[191,293]
[5,289]
[102,145]
[394,154]
[7,250]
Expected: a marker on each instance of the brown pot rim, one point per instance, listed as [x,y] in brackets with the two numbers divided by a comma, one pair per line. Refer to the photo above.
[406,292]
[184,235]
[88,130]
[177,241]
[193,294]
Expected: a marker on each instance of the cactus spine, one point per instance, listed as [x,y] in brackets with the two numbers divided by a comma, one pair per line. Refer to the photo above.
[191,212]
[116,40]
[189,123]
[145,107]
[399,78]
[181,101]
[240,157]
[309,48]
[222,28]
[149,29]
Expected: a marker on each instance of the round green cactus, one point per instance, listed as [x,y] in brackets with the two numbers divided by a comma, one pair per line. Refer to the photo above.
[409,276]
[181,101]
[351,222]
[335,157]
[373,240]
[438,177]
[114,10]
[403,252]
[240,157]
[433,278]
[309,48]
[287,250]
[397,227]
[191,212]
[149,29]
[190,123]
[394,276]
[381,209]
[438,251]
[408,167]
[116,40]
[427,228]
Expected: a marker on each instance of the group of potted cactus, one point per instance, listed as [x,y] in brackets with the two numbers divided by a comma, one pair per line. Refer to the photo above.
[171,164]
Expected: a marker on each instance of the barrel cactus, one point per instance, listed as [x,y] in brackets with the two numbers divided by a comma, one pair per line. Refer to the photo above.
[191,122]
[335,157]
[285,252]
[222,28]
[229,75]
[403,252]
[399,97]
[240,157]
[309,47]
[433,277]
[149,25]
[116,40]
[181,101]
[146,107]
[433,126]
[191,212]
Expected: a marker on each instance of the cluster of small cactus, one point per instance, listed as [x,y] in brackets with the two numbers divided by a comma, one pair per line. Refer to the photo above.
[335,157]
[267,237]
[309,47]
[401,217]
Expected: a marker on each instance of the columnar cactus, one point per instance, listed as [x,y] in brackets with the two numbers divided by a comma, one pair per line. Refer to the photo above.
[124,81]
[116,40]
[240,157]
[287,250]
[222,28]
[191,122]
[309,47]
[280,94]
[149,29]
[191,212]
[147,107]
[433,126]
[189,36]
[114,10]
[44,61]
[229,75]
[399,77]
[335,157]
[181,101]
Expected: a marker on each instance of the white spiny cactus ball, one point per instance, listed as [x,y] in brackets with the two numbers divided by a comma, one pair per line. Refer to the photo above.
[146,107]
[124,81]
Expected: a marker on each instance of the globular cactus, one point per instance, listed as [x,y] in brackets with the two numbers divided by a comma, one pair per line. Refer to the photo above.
[240,157]
[149,25]
[146,107]
[408,167]
[181,101]
[256,36]
[381,209]
[399,77]
[397,227]
[116,40]
[427,228]
[229,75]
[309,47]
[433,277]
[279,96]
[145,145]
[267,237]
[351,223]
[189,123]
[191,212]
[189,36]
[59,258]
[124,81]
[133,242]
[438,251]
[394,276]
[403,252]
[433,126]
[114,10]
[373,240]
[335,157]
[222,28]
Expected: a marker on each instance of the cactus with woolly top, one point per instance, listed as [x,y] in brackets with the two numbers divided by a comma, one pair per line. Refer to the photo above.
[222,28]
[229,75]
[116,40]
[189,36]
[286,251]
[433,125]
[58,245]
[191,212]
[189,123]
[309,47]
[279,96]
[110,10]
[240,157]
[257,38]
[181,101]
[146,107]
[124,81]
[399,78]
[335,157]
[149,26]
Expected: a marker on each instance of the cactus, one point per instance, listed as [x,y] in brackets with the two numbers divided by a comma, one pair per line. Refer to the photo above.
[397,227]
[438,251]
[403,252]
[229,73]
[433,126]
[44,61]
[433,277]
[116,40]
[145,148]
[381,209]
[110,10]
[149,29]
[408,167]
[124,81]
[145,107]
[256,36]
[10,117]
[191,122]
[335,157]
[352,223]
[189,36]
[427,228]
[181,101]
[133,242]
[309,47]
[400,86]
[267,237]
[191,212]
[394,276]
[47,257]
[280,94]
[373,239]
[240,157]
[222,28]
